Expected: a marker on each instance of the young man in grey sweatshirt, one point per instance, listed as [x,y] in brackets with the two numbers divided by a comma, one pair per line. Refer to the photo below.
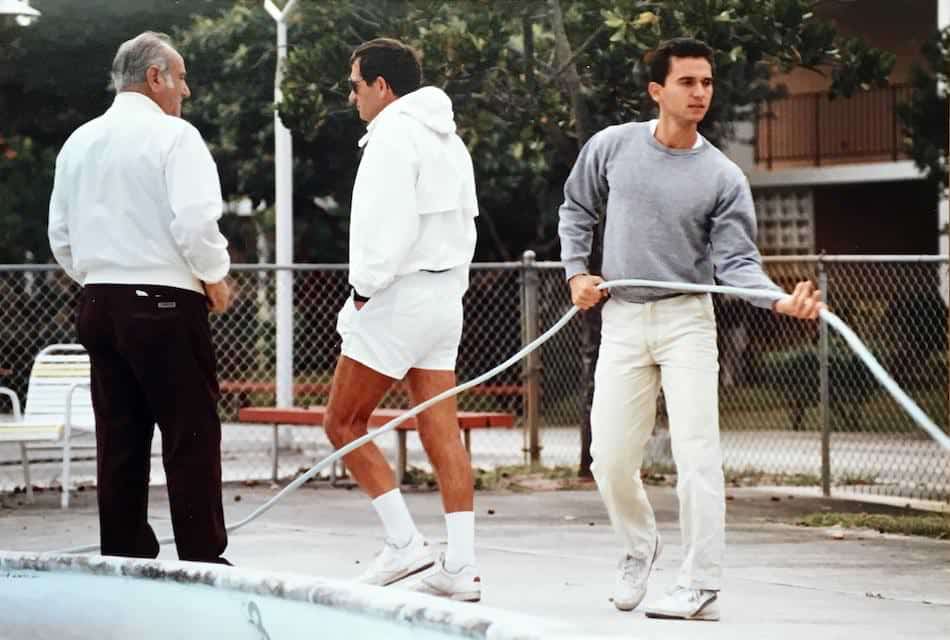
[678,210]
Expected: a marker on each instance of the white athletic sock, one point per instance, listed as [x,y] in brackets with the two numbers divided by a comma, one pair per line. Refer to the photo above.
[460,526]
[397,521]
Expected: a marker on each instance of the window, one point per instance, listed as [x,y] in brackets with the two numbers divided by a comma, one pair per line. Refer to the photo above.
[785,220]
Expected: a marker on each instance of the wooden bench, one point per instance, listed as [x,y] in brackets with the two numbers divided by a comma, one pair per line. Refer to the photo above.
[243,388]
[315,417]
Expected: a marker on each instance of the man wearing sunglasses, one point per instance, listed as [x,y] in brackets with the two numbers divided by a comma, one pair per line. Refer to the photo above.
[412,237]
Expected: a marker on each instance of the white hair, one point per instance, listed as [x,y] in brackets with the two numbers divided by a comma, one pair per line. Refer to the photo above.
[135,56]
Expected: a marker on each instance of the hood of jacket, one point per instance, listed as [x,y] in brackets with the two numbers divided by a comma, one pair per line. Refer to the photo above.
[430,106]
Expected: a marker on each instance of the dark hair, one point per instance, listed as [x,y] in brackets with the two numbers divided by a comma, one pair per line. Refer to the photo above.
[659,59]
[396,62]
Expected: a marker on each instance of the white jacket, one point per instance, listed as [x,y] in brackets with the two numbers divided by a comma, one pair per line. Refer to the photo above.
[414,199]
[136,200]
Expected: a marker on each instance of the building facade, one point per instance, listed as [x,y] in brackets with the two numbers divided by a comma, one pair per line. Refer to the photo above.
[830,175]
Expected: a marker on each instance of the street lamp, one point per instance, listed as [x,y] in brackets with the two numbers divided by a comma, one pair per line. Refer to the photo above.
[284,232]
[21,9]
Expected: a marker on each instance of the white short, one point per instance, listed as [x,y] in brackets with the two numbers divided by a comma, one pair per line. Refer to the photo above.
[414,323]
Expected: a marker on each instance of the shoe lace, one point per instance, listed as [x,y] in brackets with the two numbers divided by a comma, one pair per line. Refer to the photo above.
[389,548]
[632,567]
[692,595]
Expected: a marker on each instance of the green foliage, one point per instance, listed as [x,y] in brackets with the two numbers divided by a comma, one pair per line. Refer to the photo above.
[27,180]
[931,525]
[54,76]
[230,60]
[925,116]
[498,60]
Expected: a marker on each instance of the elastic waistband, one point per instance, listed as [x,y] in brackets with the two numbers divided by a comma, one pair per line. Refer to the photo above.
[159,277]
[359,298]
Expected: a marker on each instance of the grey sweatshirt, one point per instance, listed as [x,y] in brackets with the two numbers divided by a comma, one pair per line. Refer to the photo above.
[676,215]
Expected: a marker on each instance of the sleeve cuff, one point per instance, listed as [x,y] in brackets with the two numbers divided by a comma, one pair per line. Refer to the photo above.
[574,267]
[765,303]
[214,275]
[364,289]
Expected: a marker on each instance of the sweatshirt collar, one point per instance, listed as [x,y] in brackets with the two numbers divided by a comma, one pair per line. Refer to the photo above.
[696,145]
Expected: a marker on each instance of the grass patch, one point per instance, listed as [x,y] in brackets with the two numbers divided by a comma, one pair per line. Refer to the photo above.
[420,478]
[930,525]
[528,478]
[758,478]
[855,479]
[518,478]
[665,474]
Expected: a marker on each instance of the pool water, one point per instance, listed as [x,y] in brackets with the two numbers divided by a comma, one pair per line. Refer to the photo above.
[59,605]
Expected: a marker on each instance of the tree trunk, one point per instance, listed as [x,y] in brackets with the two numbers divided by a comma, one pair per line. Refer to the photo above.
[583,126]
[569,78]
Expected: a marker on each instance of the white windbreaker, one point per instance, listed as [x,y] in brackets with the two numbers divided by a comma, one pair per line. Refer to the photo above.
[136,200]
[414,199]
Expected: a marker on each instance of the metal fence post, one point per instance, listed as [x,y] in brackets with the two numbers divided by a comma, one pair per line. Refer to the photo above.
[824,392]
[530,283]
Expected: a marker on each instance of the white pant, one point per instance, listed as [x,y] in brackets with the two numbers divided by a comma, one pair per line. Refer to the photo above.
[414,323]
[673,341]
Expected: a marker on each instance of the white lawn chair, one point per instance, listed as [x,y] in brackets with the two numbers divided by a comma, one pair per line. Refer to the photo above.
[58,408]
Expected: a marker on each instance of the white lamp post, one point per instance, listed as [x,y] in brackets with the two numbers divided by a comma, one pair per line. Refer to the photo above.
[21,10]
[943,210]
[283,201]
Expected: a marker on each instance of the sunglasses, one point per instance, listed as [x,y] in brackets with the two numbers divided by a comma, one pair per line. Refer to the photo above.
[355,84]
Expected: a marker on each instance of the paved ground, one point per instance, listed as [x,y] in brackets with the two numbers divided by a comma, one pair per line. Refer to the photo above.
[552,553]
[889,464]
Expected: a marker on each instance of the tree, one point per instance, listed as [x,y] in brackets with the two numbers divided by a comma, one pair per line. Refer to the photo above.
[24,199]
[530,81]
[54,76]
[516,100]
[925,116]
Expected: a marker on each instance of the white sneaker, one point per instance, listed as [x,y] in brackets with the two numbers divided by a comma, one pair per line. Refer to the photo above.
[686,604]
[464,585]
[632,575]
[393,563]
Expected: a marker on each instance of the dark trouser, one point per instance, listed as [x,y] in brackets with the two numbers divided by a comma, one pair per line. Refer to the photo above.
[153,362]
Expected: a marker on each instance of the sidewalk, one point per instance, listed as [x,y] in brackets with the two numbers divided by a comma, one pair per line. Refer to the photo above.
[552,554]
[894,465]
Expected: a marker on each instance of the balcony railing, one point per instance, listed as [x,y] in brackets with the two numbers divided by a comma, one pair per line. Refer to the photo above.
[815,129]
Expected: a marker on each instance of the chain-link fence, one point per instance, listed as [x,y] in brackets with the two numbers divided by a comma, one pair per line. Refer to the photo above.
[778,419]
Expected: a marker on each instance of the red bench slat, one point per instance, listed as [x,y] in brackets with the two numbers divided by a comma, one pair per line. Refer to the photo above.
[251,386]
[315,416]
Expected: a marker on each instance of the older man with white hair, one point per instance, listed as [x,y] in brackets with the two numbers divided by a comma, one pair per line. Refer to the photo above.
[134,219]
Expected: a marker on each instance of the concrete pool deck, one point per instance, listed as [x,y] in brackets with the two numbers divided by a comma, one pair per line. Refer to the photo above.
[552,554]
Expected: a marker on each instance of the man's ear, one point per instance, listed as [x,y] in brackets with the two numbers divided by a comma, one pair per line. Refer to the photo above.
[380,84]
[654,89]
[153,76]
